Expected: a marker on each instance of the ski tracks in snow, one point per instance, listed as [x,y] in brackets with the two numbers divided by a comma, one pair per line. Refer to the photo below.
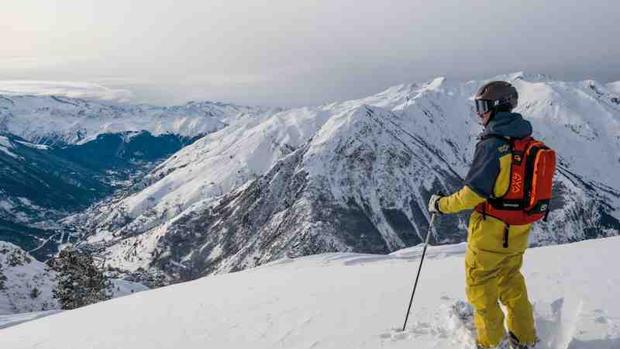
[557,324]
[561,324]
[452,326]
[567,324]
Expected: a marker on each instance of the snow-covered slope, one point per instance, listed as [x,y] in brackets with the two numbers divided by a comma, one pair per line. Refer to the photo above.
[52,119]
[353,176]
[344,300]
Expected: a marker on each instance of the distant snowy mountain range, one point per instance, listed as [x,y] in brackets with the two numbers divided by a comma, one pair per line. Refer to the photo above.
[53,119]
[352,176]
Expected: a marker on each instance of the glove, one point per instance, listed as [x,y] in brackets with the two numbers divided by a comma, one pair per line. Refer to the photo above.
[433,204]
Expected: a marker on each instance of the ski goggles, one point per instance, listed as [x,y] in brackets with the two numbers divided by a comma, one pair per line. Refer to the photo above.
[484,105]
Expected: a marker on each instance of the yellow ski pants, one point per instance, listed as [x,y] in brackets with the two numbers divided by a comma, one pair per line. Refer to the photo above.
[493,276]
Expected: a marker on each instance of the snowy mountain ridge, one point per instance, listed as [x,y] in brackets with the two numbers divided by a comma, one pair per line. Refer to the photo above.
[353,176]
[344,300]
[53,119]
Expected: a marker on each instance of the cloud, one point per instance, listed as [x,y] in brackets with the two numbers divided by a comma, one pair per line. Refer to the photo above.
[84,90]
[282,52]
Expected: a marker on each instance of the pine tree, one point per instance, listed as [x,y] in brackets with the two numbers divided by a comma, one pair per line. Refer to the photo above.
[79,281]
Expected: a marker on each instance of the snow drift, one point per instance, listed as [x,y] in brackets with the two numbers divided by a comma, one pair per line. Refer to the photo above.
[344,300]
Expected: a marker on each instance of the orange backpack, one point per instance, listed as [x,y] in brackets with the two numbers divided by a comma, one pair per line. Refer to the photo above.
[531,180]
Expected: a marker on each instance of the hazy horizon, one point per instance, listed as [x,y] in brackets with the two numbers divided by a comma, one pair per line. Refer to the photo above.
[283,53]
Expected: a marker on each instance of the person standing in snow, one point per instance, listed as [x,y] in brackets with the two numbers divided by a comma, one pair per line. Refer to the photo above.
[495,249]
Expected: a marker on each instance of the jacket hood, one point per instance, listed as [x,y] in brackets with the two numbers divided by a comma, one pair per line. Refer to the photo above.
[508,125]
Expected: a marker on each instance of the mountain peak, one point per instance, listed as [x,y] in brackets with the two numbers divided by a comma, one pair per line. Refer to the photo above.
[436,83]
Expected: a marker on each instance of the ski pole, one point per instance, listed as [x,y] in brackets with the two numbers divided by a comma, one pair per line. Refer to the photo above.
[415,285]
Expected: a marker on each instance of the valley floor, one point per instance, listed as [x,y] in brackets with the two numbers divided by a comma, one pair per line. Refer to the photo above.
[344,301]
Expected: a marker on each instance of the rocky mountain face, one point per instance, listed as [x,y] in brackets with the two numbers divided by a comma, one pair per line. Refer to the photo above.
[351,176]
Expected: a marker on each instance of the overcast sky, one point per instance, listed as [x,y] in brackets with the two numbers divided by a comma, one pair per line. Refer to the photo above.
[297,52]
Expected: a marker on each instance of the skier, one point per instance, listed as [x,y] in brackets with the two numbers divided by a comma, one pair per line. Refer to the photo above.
[498,227]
